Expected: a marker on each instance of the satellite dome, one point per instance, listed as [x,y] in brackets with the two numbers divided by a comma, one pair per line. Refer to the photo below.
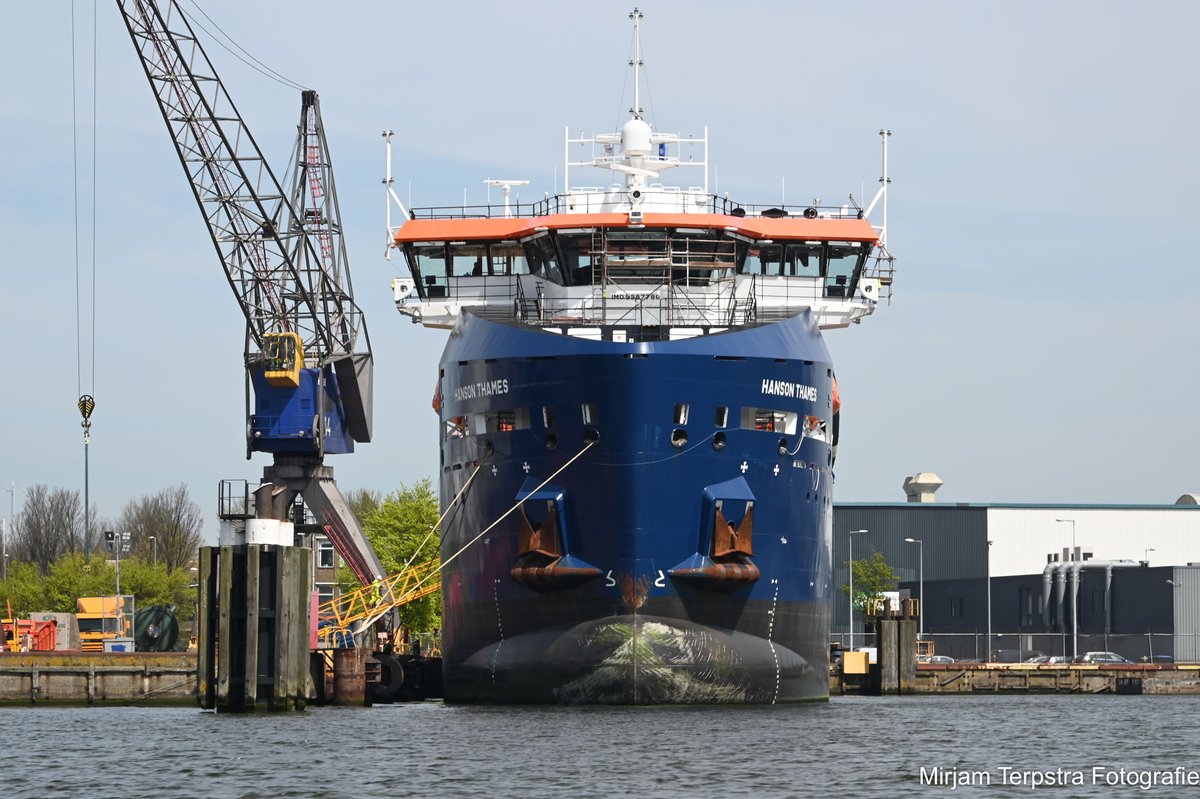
[635,137]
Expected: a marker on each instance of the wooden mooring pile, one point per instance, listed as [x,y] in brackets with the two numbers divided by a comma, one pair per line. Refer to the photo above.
[254,630]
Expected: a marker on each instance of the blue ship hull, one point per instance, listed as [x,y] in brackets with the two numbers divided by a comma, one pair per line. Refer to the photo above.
[657,523]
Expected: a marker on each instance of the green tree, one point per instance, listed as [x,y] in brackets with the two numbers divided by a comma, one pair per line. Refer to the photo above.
[399,529]
[872,576]
[24,590]
[149,584]
[68,580]
[154,584]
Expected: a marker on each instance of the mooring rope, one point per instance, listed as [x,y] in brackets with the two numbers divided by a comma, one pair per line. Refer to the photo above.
[510,511]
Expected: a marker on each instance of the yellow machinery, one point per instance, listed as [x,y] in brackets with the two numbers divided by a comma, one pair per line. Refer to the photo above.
[344,618]
[284,354]
[100,618]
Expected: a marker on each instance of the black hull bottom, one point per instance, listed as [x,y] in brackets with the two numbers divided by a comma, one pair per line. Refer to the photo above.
[640,660]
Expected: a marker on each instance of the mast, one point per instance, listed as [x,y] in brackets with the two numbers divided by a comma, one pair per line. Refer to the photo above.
[636,63]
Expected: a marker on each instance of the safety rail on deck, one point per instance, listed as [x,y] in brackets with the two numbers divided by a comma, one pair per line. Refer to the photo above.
[568,203]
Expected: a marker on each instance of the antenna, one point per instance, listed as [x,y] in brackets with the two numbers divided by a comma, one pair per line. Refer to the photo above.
[636,63]
[883,192]
[507,186]
[391,195]
[885,180]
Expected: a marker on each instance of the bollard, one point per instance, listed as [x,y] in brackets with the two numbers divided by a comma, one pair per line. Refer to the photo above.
[349,676]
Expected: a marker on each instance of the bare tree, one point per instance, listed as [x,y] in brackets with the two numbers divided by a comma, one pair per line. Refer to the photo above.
[50,525]
[174,521]
[363,502]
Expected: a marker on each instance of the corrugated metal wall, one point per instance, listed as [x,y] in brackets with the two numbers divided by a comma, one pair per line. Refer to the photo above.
[1187,614]
[955,543]
[1025,535]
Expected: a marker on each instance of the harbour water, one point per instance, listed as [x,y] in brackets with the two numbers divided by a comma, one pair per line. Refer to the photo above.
[864,747]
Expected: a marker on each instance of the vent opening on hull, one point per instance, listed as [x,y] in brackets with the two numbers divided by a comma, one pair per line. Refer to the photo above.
[681,413]
[591,435]
[679,437]
[718,442]
[771,421]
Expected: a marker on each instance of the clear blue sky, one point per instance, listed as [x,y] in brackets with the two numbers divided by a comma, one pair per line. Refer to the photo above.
[1041,345]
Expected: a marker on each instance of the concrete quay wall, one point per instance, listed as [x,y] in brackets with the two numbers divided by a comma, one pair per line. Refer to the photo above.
[952,678]
[95,678]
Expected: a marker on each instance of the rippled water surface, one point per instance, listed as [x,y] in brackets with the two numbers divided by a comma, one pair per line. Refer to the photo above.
[856,747]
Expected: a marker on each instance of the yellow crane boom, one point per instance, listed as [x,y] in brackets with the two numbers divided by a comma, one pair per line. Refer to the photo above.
[355,611]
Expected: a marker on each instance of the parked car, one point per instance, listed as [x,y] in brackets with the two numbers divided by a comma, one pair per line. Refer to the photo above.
[1038,659]
[1101,657]
[1058,659]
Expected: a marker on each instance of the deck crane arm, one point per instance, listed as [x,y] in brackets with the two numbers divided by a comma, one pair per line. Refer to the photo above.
[308,355]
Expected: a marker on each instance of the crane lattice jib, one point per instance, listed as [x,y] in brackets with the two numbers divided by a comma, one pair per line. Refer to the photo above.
[264,245]
[315,207]
[356,610]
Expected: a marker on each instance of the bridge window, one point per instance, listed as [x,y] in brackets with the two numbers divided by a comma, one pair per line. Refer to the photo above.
[763,259]
[841,268]
[428,265]
[543,259]
[802,260]
[578,262]
[508,258]
[468,260]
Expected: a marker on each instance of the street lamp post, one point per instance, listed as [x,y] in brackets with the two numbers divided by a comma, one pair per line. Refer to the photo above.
[154,541]
[920,585]
[1072,523]
[989,602]
[1147,555]
[850,541]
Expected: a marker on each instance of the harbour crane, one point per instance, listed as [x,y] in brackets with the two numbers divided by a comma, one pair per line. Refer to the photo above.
[307,353]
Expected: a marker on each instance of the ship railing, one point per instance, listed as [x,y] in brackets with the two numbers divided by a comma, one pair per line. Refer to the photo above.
[491,290]
[624,303]
[782,297]
[527,309]
[881,265]
[742,310]
[594,199]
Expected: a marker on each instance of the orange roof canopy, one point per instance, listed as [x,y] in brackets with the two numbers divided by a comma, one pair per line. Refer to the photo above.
[783,228]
